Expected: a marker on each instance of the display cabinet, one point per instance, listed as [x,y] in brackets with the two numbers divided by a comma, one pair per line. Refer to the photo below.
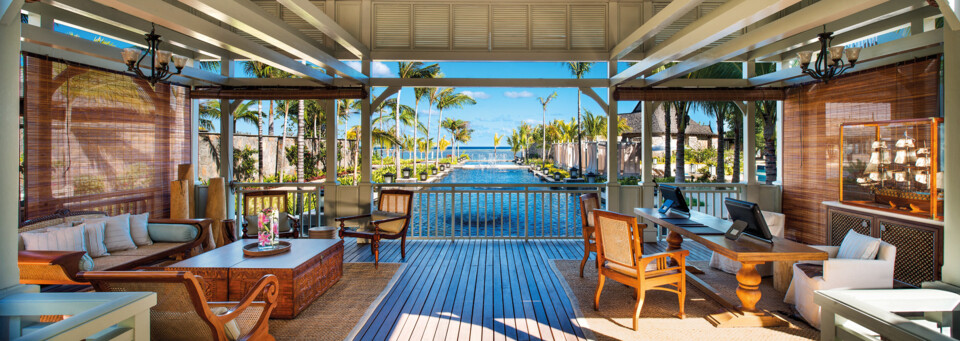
[893,166]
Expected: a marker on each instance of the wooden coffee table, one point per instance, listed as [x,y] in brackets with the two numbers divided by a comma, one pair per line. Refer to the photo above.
[305,272]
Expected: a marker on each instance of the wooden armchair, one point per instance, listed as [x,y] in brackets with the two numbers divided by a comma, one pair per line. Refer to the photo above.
[390,221]
[182,311]
[620,255]
[588,203]
[254,202]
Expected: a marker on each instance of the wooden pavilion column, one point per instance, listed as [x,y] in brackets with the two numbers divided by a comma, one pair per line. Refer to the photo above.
[10,140]
[613,146]
[366,145]
[749,132]
[647,186]
[330,162]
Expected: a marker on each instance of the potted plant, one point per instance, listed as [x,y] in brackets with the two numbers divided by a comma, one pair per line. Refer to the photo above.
[406,172]
[423,176]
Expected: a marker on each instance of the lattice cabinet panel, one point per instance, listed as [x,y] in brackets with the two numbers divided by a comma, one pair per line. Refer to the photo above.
[917,258]
[842,222]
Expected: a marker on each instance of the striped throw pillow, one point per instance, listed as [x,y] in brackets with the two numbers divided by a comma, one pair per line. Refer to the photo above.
[117,236]
[138,229]
[55,239]
[96,234]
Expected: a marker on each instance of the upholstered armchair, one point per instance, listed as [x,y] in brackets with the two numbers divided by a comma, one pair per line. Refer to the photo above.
[588,203]
[390,221]
[182,311]
[775,221]
[619,253]
[838,273]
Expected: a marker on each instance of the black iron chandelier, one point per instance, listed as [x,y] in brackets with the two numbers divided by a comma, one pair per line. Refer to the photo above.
[159,63]
[829,61]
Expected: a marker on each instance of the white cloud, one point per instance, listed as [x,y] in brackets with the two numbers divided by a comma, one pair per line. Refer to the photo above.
[518,94]
[532,121]
[378,69]
[476,94]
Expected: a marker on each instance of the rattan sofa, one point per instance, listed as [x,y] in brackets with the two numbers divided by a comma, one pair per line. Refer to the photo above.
[61,267]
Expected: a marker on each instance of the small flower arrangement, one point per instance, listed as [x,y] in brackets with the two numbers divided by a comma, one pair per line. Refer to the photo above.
[268,232]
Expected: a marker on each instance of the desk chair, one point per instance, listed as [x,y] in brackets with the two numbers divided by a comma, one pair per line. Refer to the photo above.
[620,255]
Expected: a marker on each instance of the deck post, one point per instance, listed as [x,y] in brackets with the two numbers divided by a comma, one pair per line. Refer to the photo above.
[951,161]
[226,142]
[613,146]
[9,173]
[330,185]
[365,187]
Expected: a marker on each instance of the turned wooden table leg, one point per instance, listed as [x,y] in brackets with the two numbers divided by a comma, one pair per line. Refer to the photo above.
[673,241]
[749,289]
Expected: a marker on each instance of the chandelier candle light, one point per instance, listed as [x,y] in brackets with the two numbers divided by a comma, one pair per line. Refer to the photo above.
[159,67]
[829,61]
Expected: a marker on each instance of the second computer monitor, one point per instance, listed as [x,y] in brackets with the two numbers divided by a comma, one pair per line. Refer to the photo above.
[749,213]
[674,196]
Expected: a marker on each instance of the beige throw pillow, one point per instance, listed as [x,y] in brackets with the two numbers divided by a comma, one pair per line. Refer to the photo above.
[95,232]
[55,239]
[231,328]
[138,229]
[117,236]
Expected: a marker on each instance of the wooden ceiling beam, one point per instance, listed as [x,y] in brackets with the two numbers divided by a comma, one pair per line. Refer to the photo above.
[667,16]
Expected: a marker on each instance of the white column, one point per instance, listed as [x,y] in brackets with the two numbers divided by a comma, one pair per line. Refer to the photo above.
[330,185]
[366,142]
[226,142]
[649,107]
[951,160]
[780,170]
[195,138]
[749,133]
[9,137]
[613,147]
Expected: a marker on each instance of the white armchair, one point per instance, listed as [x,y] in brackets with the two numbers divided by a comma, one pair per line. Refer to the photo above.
[775,221]
[838,273]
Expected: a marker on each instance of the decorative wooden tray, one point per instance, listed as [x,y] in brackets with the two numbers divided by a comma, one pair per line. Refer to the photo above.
[253,249]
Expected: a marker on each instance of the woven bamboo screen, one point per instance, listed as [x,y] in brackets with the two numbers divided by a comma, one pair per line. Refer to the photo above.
[811,132]
[100,140]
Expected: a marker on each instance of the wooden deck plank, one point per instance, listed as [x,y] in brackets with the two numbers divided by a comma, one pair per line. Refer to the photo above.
[480,289]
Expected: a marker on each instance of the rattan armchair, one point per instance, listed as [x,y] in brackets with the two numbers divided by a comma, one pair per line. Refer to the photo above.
[390,221]
[588,203]
[182,311]
[620,255]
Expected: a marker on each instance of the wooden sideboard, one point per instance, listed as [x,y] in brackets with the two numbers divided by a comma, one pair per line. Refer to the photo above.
[919,241]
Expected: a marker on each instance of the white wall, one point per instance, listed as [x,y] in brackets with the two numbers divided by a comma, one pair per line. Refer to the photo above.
[9,139]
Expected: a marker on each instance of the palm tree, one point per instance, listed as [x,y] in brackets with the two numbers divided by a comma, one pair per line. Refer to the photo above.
[411,70]
[261,70]
[513,142]
[719,110]
[496,142]
[452,126]
[594,126]
[523,136]
[683,119]
[353,134]
[668,137]
[736,121]
[579,69]
[543,103]
[286,106]
[767,112]
[449,98]
[419,94]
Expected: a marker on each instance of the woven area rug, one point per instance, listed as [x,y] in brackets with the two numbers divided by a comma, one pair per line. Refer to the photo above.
[658,319]
[346,305]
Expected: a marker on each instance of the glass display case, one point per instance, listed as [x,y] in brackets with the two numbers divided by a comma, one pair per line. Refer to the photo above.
[893,166]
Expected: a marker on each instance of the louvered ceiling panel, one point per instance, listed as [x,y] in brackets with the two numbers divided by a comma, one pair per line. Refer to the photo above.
[706,8]
[510,26]
[629,19]
[348,16]
[588,26]
[471,26]
[676,26]
[298,23]
[431,26]
[549,24]
[391,25]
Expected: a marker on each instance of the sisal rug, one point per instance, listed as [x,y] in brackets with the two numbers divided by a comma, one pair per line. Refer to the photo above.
[658,319]
[343,307]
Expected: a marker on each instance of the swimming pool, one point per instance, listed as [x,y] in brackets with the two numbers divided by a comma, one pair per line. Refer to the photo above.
[504,209]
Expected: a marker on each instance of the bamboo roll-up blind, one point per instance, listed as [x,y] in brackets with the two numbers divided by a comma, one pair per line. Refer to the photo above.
[812,117]
[100,140]
[705,94]
[279,93]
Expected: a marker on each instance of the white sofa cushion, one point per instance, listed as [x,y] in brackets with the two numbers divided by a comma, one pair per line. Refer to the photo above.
[70,238]
[95,232]
[858,246]
[117,236]
[138,229]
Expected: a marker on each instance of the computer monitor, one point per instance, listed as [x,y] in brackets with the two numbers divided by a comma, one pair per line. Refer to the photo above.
[749,213]
[673,200]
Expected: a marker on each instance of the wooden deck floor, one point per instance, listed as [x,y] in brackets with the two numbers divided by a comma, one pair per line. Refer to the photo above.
[478,290]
